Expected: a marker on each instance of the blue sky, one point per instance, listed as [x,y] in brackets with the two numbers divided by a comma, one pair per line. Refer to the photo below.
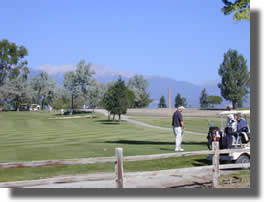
[184,40]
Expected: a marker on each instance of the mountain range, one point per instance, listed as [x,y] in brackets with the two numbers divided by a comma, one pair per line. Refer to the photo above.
[158,85]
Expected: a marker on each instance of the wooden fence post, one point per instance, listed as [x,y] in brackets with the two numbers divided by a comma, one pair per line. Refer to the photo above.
[119,167]
[216,172]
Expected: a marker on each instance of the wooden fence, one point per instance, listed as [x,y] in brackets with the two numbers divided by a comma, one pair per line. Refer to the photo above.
[119,159]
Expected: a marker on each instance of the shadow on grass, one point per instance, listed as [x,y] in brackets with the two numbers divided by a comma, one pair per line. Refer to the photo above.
[201,162]
[109,122]
[152,142]
[75,113]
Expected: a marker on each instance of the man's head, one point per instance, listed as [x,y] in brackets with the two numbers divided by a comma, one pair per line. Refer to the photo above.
[238,116]
[180,108]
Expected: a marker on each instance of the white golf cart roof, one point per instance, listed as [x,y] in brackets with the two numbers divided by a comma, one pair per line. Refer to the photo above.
[243,112]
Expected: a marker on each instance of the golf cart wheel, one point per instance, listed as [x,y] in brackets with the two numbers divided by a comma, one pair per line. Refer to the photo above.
[243,159]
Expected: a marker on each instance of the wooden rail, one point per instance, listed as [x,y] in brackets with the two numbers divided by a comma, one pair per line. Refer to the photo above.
[119,159]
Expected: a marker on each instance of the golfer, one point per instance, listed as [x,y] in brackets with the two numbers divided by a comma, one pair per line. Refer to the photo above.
[178,126]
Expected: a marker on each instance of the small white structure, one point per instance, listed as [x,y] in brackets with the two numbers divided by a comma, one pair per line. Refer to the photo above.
[30,107]
[50,108]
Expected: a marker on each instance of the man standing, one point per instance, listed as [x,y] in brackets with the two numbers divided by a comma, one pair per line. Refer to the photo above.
[178,126]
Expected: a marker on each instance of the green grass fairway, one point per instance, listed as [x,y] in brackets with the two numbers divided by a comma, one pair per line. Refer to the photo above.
[196,124]
[30,136]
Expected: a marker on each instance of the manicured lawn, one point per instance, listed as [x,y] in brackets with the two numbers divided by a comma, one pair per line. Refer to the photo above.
[196,124]
[30,136]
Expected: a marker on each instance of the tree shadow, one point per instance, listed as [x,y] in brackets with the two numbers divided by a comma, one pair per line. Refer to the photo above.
[201,162]
[166,149]
[194,143]
[194,185]
[152,142]
[67,113]
[137,142]
[109,122]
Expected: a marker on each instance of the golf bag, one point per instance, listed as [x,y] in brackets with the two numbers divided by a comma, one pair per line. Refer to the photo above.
[214,135]
[244,135]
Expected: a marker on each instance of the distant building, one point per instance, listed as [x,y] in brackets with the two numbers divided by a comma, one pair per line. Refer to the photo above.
[30,107]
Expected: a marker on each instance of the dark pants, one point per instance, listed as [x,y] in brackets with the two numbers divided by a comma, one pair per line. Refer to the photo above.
[229,140]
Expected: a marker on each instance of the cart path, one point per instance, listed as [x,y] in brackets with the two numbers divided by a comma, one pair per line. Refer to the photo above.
[126,118]
[176,178]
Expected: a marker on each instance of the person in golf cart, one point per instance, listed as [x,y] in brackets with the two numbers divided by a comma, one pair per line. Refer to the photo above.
[234,133]
[243,131]
[230,131]
[237,131]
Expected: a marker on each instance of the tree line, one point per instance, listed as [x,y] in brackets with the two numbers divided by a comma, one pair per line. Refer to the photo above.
[179,101]
[79,87]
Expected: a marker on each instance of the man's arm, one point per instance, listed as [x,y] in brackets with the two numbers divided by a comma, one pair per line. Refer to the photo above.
[182,124]
[173,117]
[181,120]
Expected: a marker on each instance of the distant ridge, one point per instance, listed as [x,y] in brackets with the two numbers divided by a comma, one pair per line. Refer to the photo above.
[158,85]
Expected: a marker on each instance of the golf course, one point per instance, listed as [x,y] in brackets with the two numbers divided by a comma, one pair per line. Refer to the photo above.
[33,136]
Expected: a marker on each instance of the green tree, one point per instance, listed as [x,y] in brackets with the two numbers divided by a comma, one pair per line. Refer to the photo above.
[240,103]
[77,82]
[17,91]
[131,98]
[108,101]
[116,99]
[180,101]
[213,100]
[240,8]
[204,99]
[95,94]
[62,99]
[12,62]
[43,89]
[138,84]
[162,102]
[235,77]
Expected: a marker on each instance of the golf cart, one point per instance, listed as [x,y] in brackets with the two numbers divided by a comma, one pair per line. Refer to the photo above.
[239,139]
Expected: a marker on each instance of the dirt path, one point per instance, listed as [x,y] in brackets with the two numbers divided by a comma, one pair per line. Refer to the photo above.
[175,178]
[123,117]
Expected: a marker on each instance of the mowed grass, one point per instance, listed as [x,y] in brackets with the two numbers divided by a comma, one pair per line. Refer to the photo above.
[31,136]
[196,124]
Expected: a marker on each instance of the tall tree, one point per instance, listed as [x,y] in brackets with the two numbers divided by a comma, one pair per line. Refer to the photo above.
[235,77]
[240,8]
[116,99]
[138,84]
[62,98]
[43,89]
[77,82]
[204,99]
[12,62]
[95,94]
[213,100]
[162,102]
[109,101]
[17,91]
[179,100]
[131,98]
